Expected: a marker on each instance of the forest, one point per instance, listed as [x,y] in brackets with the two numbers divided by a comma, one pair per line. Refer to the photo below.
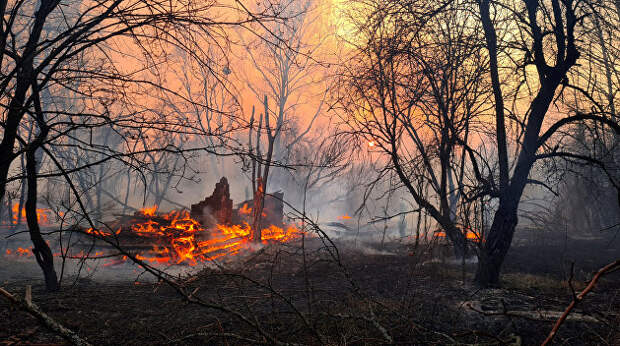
[297,172]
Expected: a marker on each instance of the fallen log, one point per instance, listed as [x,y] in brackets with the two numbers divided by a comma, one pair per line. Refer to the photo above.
[537,315]
[27,305]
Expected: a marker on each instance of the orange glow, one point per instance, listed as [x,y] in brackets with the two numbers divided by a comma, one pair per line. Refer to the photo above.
[244,210]
[185,241]
[20,215]
[101,233]
[149,211]
[371,144]
[344,217]
[179,239]
[19,252]
[277,233]
[470,235]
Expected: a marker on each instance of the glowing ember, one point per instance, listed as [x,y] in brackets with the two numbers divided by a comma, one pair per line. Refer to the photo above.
[19,252]
[101,233]
[371,144]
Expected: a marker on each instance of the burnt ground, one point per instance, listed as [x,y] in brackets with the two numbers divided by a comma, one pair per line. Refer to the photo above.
[370,295]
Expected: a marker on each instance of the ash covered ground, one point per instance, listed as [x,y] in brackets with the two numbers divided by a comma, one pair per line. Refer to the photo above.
[361,293]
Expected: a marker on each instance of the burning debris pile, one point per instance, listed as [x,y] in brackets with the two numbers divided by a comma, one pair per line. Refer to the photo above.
[212,229]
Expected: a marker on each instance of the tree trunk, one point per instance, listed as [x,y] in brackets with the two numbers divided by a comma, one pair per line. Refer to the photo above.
[259,200]
[16,110]
[496,246]
[459,242]
[41,250]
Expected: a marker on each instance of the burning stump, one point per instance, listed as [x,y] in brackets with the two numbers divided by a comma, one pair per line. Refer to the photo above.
[215,209]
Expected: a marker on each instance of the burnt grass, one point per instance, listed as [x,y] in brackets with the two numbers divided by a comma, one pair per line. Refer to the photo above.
[361,294]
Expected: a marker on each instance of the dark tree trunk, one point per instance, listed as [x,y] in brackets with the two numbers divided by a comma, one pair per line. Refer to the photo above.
[456,237]
[496,246]
[16,110]
[41,250]
[459,244]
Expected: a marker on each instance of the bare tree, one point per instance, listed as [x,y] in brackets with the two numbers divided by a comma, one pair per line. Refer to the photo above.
[414,91]
[290,73]
[549,43]
[531,60]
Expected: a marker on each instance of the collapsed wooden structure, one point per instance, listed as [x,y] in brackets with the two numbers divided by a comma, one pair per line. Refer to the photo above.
[218,208]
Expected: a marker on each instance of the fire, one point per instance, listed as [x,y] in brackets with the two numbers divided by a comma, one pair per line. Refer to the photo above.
[179,239]
[344,217]
[101,233]
[149,211]
[19,252]
[20,215]
[371,144]
[279,234]
[470,235]
[175,238]
[244,210]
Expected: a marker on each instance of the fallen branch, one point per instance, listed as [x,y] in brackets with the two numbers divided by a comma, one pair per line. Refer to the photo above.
[27,304]
[605,270]
[539,315]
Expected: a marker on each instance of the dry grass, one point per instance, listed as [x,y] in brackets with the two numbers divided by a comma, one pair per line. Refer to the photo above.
[525,281]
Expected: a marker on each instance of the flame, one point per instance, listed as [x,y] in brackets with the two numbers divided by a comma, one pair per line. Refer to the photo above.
[176,238]
[149,211]
[20,215]
[101,233]
[19,252]
[371,144]
[472,235]
[277,233]
[244,210]
[344,217]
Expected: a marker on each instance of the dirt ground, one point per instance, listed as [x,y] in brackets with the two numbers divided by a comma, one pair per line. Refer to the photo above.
[359,295]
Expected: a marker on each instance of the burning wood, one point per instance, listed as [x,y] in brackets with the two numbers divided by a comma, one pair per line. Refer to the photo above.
[217,209]
[273,210]
[211,230]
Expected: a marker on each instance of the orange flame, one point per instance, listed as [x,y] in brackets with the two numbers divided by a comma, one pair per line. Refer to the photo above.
[244,210]
[470,235]
[149,211]
[20,215]
[183,240]
[19,252]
